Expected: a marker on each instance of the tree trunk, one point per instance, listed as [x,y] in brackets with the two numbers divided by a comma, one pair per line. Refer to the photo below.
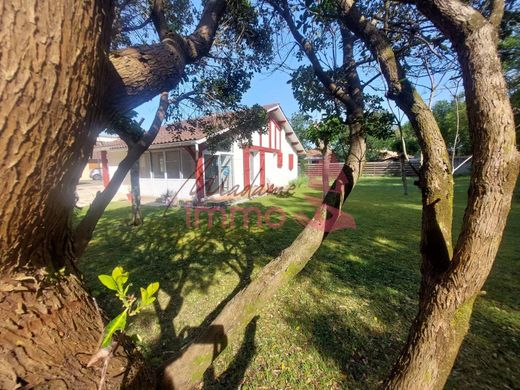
[137,217]
[325,154]
[435,179]
[49,92]
[53,56]
[402,162]
[445,308]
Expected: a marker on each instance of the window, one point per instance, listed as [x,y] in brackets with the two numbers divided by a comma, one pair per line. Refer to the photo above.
[280,159]
[158,167]
[291,162]
[173,164]
[188,164]
[144,166]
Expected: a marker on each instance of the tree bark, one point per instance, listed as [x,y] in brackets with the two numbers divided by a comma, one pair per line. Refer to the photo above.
[445,309]
[325,153]
[137,217]
[435,179]
[49,92]
[402,162]
[140,73]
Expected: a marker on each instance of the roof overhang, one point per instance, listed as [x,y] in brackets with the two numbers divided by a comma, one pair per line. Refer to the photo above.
[284,123]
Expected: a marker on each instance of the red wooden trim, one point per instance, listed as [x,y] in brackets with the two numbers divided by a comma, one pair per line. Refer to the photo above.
[104,168]
[260,135]
[269,133]
[280,138]
[289,133]
[263,149]
[280,159]
[294,143]
[291,161]
[246,167]
[275,138]
[262,168]
[199,176]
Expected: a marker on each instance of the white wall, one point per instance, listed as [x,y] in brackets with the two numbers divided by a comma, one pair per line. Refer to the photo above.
[158,187]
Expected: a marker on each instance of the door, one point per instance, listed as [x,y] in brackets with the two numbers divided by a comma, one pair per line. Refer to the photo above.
[226,172]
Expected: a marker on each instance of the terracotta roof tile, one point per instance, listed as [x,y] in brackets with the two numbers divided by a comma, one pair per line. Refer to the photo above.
[189,130]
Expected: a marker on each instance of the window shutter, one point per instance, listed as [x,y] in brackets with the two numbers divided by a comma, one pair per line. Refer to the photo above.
[291,162]
[280,159]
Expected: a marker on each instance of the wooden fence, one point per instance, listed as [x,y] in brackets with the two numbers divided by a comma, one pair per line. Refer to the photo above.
[388,167]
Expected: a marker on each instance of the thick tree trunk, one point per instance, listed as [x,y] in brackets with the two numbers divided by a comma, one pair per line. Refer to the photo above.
[53,103]
[53,59]
[49,93]
[435,180]
[48,331]
[445,309]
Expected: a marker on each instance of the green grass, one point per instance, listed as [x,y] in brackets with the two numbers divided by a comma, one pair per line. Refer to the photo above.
[339,324]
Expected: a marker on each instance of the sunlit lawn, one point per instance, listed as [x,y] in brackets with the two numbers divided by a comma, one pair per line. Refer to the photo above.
[342,321]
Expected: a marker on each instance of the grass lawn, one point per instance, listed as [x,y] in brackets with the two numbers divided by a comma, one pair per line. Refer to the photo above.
[339,324]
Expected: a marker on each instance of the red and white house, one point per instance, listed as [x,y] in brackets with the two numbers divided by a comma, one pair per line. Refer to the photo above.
[178,162]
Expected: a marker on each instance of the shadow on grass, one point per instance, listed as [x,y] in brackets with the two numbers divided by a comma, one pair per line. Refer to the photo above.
[233,377]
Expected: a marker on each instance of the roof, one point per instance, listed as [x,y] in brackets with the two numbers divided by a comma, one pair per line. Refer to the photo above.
[192,131]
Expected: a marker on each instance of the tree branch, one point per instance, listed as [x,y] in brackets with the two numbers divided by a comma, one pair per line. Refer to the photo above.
[497,13]
[137,27]
[84,230]
[139,73]
[336,90]
[158,18]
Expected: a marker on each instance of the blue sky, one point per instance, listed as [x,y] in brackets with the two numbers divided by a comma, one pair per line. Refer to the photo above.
[265,88]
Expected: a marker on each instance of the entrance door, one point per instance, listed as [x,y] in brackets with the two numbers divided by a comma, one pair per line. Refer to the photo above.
[226,172]
[218,173]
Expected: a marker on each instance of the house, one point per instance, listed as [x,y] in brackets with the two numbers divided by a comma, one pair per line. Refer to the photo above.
[315,156]
[95,159]
[180,163]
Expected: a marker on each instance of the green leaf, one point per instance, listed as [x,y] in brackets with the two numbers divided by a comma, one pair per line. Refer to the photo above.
[108,282]
[144,295]
[120,277]
[118,323]
[116,272]
[152,288]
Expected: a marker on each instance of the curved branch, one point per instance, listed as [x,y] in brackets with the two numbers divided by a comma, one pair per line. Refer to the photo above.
[497,13]
[85,229]
[139,73]
[336,90]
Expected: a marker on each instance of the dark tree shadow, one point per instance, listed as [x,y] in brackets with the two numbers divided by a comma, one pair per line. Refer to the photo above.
[233,377]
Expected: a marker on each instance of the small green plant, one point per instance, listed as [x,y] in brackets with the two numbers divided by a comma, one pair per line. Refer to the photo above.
[131,305]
